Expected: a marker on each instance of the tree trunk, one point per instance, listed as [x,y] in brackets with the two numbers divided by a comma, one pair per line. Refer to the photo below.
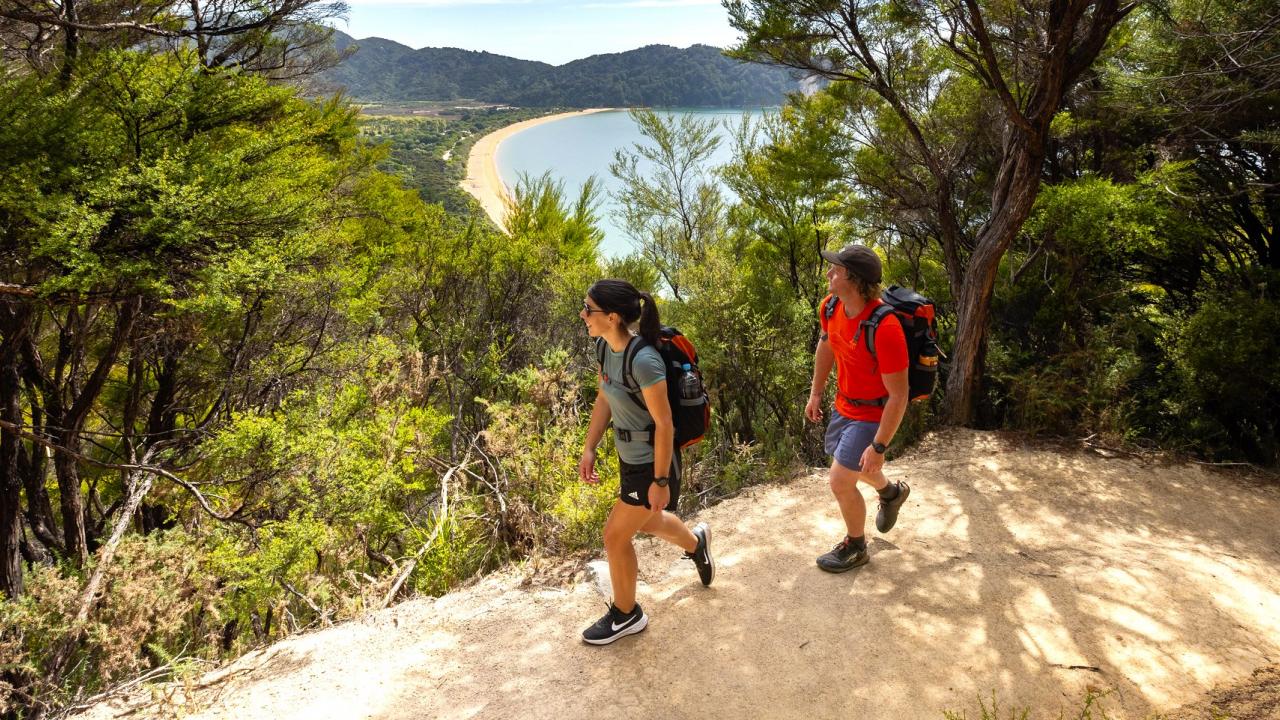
[1015,192]
[71,426]
[70,498]
[13,324]
[10,485]
[949,235]
[39,510]
[71,41]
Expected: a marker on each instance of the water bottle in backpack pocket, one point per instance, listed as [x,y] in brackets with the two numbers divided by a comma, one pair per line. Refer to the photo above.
[690,406]
[691,392]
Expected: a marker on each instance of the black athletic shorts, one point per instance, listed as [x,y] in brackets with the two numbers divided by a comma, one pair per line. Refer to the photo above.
[636,480]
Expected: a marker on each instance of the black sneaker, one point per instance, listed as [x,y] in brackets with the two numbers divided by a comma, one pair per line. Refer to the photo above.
[845,556]
[887,515]
[615,624]
[701,555]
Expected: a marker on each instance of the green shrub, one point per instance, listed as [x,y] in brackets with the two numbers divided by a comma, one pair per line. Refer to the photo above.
[159,606]
[1225,393]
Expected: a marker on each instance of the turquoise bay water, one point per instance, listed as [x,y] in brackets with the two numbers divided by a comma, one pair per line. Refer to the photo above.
[575,148]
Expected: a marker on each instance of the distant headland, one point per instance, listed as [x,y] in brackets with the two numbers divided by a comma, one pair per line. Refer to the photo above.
[656,75]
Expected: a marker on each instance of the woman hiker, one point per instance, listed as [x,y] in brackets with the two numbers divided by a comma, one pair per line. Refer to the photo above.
[648,460]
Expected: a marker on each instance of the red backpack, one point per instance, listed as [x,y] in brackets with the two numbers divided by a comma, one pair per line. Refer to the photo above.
[690,405]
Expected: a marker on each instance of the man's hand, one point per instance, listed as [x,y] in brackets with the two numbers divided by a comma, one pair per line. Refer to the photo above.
[658,497]
[587,467]
[872,461]
[813,411]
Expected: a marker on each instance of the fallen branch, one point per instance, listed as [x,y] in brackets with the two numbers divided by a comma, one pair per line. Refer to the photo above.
[11,289]
[1090,443]
[137,485]
[164,670]
[1090,668]
[310,603]
[1225,464]
[435,533]
[709,488]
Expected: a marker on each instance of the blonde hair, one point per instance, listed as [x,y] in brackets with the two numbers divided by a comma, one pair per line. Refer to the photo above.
[868,290]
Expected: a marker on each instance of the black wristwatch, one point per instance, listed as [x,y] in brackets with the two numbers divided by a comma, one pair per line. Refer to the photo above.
[879,447]
[662,481]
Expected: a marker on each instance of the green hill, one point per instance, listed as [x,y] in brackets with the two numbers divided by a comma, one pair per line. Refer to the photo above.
[659,75]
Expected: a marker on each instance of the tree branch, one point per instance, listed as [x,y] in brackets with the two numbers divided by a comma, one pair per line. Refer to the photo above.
[993,74]
[11,289]
[129,467]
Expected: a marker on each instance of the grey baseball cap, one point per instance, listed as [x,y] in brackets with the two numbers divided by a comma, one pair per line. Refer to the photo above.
[858,259]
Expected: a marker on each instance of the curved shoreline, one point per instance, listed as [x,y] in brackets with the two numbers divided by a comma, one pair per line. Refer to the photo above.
[483,182]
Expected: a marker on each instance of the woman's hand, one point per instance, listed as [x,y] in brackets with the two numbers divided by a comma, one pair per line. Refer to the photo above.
[587,467]
[659,497]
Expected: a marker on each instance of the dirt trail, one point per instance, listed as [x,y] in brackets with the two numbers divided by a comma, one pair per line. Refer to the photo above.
[1033,573]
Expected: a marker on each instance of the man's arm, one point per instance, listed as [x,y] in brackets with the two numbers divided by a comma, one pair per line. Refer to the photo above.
[894,409]
[823,359]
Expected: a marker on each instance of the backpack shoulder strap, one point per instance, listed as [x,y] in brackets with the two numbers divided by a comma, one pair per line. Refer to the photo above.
[600,354]
[634,347]
[829,308]
[877,316]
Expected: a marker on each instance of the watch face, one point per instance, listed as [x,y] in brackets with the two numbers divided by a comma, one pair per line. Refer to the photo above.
[878,447]
[661,482]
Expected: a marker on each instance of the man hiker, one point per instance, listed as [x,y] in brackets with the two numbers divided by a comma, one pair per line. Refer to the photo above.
[871,397]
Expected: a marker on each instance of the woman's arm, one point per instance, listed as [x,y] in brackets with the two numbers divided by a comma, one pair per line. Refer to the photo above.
[600,416]
[664,435]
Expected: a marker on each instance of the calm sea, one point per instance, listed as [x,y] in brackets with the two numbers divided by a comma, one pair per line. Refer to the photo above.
[575,148]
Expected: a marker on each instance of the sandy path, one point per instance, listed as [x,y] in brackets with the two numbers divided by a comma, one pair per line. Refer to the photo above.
[1032,573]
[483,181]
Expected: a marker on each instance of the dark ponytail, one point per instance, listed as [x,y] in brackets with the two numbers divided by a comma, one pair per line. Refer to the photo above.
[650,326]
[621,297]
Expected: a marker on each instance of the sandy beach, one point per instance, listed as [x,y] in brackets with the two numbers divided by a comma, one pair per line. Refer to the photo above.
[483,181]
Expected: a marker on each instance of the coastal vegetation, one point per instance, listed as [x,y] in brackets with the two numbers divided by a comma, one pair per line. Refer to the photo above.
[260,370]
[429,152]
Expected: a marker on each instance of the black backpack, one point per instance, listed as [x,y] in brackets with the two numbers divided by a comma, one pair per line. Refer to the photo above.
[920,326]
[690,405]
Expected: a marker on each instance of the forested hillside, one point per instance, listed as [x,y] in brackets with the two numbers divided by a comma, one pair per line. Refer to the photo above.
[658,75]
[251,383]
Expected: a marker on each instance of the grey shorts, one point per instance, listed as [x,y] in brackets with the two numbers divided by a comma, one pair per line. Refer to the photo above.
[847,439]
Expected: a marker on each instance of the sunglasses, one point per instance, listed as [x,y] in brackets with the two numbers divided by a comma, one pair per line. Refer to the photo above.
[588,309]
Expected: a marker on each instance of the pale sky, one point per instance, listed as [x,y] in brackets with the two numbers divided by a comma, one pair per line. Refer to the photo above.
[553,31]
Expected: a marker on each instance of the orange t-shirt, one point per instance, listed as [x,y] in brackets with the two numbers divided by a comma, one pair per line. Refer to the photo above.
[858,372]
